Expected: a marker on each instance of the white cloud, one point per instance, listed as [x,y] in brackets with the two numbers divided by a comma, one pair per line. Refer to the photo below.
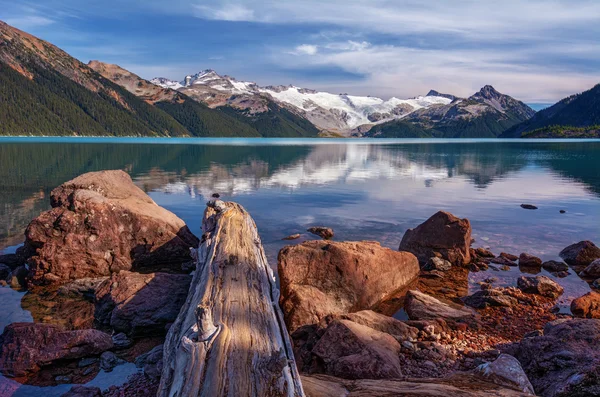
[305,49]
[226,12]
[29,22]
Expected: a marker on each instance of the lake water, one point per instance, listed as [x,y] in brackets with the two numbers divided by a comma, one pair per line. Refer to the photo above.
[363,189]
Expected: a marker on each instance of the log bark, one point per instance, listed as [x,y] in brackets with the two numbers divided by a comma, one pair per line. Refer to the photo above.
[229,338]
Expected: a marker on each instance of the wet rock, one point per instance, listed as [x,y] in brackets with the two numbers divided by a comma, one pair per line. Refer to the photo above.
[353,351]
[109,360]
[151,362]
[555,266]
[100,223]
[506,370]
[83,391]
[484,253]
[26,347]
[565,361]
[529,260]
[505,268]
[436,263]
[540,285]
[292,237]
[510,257]
[490,297]
[443,233]
[323,277]
[500,260]
[592,271]
[325,233]
[580,254]
[420,306]
[18,277]
[121,341]
[586,306]
[529,206]
[141,304]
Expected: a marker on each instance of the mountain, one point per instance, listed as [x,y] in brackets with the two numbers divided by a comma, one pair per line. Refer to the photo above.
[577,116]
[486,114]
[340,113]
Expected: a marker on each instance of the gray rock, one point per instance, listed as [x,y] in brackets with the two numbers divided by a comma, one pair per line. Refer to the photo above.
[82,287]
[420,306]
[151,362]
[593,270]
[121,341]
[540,285]
[490,297]
[109,360]
[436,263]
[555,266]
[506,371]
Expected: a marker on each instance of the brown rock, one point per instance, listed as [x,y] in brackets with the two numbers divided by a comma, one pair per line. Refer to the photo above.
[565,360]
[555,266]
[529,260]
[442,233]
[420,306]
[501,260]
[292,237]
[325,233]
[510,257]
[586,306]
[484,253]
[26,347]
[141,304]
[353,351]
[540,285]
[580,254]
[592,271]
[320,278]
[101,223]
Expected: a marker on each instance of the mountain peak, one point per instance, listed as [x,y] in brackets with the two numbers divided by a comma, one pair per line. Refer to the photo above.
[439,94]
[489,92]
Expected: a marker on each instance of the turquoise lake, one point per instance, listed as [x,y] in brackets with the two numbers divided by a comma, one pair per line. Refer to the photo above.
[363,189]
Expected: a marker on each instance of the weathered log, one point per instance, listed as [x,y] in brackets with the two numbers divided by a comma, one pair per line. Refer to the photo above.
[229,338]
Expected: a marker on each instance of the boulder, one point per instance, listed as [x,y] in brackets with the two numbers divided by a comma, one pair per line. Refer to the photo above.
[555,266]
[443,234]
[100,223]
[565,360]
[540,285]
[324,277]
[580,254]
[592,271]
[506,370]
[83,391]
[353,351]
[529,260]
[420,306]
[586,306]
[325,233]
[141,304]
[26,347]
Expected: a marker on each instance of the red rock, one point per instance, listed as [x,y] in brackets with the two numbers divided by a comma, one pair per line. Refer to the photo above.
[353,351]
[443,233]
[587,306]
[580,254]
[101,223]
[319,278]
[326,233]
[26,347]
[141,304]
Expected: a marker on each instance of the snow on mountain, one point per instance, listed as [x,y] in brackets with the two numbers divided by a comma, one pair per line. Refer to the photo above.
[327,111]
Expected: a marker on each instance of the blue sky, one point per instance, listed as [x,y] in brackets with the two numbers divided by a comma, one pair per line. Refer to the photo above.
[537,51]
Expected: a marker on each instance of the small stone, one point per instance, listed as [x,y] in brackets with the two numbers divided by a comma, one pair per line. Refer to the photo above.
[510,257]
[121,341]
[109,360]
[505,268]
[292,237]
[325,233]
[63,379]
[562,211]
[529,206]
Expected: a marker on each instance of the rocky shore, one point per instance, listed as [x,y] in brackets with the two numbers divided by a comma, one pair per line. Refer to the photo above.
[113,279]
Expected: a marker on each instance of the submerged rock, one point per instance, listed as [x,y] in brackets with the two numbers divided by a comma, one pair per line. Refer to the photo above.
[141,304]
[26,347]
[540,285]
[586,306]
[443,234]
[323,277]
[580,254]
[100,223]
[292,237]
[325,233]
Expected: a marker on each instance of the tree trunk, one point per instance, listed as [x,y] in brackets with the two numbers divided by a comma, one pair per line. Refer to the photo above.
[229,338]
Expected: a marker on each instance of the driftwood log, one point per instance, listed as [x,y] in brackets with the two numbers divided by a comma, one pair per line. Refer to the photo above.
[229,338]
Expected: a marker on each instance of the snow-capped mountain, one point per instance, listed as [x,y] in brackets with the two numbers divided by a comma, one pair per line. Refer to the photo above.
[332,112]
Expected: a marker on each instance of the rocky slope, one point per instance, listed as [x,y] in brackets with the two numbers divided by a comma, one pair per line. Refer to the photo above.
[332,112]
[486,114]
[577,116]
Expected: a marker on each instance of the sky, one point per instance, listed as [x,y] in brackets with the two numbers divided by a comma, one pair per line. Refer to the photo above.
[538,51]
